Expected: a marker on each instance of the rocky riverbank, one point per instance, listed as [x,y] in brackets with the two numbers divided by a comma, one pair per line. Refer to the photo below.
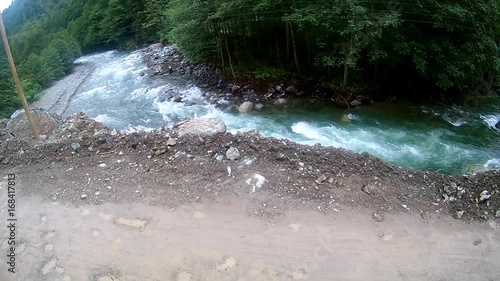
[325,179]
[167,60]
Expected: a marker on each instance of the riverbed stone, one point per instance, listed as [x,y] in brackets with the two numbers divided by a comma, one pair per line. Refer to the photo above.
[291,90]
[201,126]
[259,106]
[281,101]
[355,103]
[245,107]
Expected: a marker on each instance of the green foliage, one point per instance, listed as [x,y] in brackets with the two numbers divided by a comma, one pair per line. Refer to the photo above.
[447,45]
[8,100]
[266,72]
[192,29]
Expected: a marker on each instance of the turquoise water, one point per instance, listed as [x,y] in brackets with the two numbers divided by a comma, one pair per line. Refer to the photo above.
[455,139]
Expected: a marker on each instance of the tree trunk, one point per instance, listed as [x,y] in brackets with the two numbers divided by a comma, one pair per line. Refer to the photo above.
[346,64]
[229,58]
[287,43]
[295,50]
[277,50]
[346,70]
[222,53]
[221,44]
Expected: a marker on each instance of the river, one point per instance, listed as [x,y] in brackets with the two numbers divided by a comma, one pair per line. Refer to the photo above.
[456,139]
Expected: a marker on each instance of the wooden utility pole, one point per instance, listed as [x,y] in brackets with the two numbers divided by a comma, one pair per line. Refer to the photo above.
[20,91]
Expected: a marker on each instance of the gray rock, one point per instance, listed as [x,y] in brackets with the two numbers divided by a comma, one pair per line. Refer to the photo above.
[497,214]
[114,132]
[378,217]
[281,101]
[75,146]
[219,158]
[477,242]
[355,103]
[424,215]
[171,142]
[368,189]
[235,89]
[19,126]
[259,106]
[201,127]
[450,189]
[484,196]
[245,107]
[321,179]
[291,90]
[233,154]
[84,196]
[459,214]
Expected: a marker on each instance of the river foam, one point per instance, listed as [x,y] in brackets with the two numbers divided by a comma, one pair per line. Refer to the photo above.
[445,140]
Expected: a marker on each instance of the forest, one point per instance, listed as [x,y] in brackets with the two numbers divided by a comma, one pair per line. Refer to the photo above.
[412,47]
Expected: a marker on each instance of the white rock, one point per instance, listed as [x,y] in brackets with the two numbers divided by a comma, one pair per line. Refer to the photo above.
[233,154]
[171,142]
[484,196]
[281,101]
[201,126]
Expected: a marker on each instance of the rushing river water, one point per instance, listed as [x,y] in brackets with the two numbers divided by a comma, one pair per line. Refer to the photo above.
[450,140]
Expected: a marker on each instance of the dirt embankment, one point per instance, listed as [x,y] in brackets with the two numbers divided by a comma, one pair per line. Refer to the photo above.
[201,166]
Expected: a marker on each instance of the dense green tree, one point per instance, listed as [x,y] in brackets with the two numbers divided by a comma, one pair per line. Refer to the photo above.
[8,100]
[420,46]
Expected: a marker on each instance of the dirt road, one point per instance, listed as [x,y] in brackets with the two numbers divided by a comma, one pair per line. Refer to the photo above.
[223,239]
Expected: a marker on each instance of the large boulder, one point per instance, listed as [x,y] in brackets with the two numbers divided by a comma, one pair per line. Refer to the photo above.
[202,126]
[20,128]
[245,107]
[81,124]
[497,125]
